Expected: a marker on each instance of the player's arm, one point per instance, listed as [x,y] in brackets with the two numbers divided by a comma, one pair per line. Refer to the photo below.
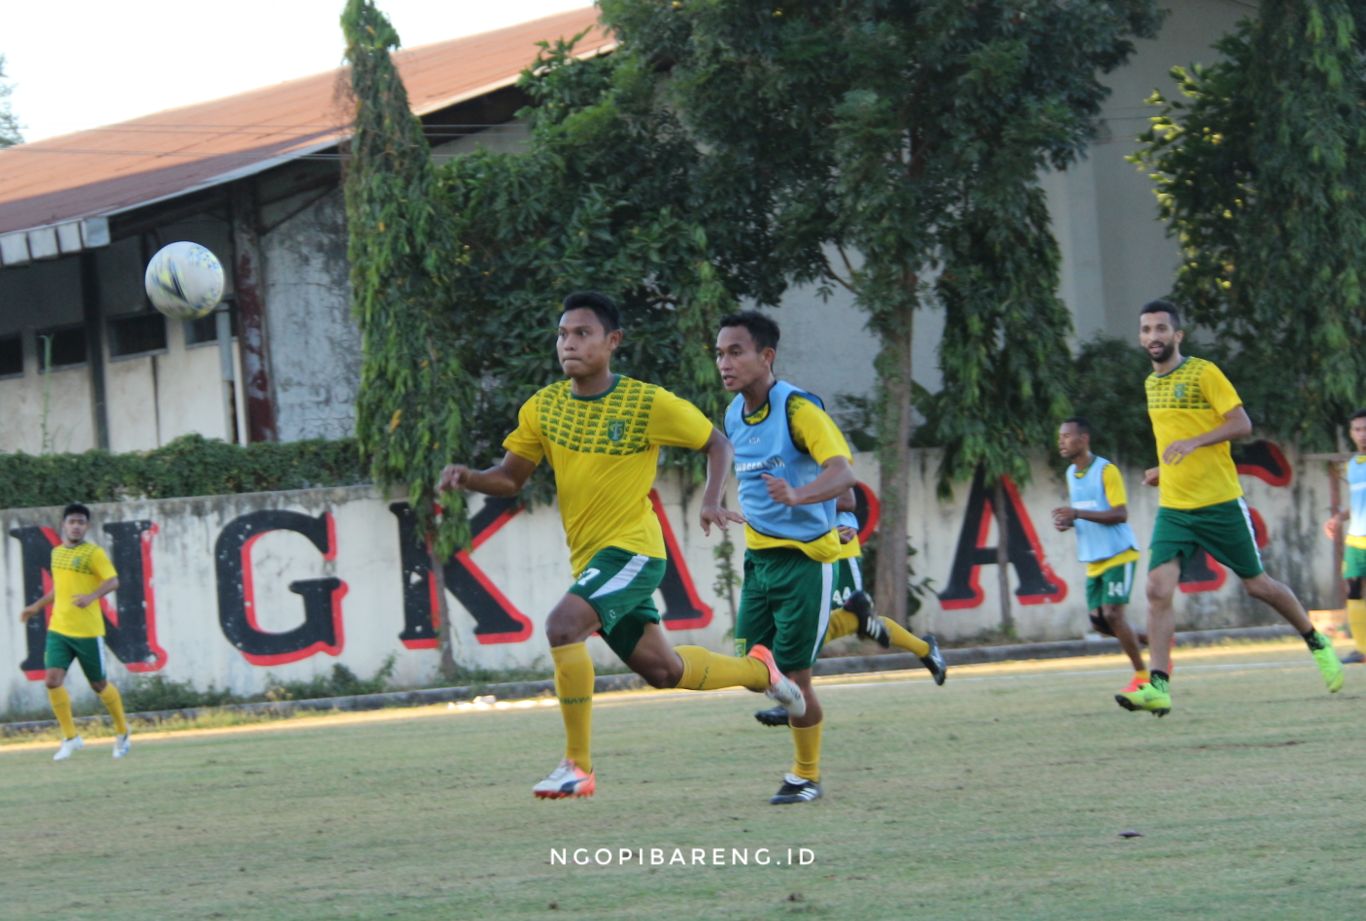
[505,478]
[34,608]
[847,501]
[104,588]
[720,454]
[1236,425]
[815,432]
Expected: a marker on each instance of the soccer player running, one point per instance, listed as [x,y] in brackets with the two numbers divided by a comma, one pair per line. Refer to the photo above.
[81,575]
[853,610]
[1099,511]
[1354,551]
[1195,413]
[791,463]
[601,433]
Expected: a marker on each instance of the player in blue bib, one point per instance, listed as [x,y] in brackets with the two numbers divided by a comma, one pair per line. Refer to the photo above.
[1354,543]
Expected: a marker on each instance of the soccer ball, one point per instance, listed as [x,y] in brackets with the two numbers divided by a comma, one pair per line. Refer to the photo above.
[184,281]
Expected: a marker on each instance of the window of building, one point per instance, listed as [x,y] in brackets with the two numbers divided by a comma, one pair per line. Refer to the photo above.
[136,334]
[205,329]
[61,347]
[11,355]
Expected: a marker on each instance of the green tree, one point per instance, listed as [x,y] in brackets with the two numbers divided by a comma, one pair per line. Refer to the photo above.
[9,125]
[1257,165]
[411,402]
[862,144]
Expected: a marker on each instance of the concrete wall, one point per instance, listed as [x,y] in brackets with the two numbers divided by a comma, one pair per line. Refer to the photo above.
[230,591]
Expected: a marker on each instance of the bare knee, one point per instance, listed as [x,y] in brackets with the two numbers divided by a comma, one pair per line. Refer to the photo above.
[99,686]
[1264,588]
[660,675]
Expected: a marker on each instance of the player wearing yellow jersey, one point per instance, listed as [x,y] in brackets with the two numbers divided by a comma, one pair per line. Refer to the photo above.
[601,434]
[1195,413]
[81,576]
[1098,510]
[1354,551]
[792,463]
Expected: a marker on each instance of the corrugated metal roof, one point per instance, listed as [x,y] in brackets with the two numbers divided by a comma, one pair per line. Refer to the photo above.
[106,170]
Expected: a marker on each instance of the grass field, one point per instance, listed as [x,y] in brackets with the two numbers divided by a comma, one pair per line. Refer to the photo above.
[1001,795]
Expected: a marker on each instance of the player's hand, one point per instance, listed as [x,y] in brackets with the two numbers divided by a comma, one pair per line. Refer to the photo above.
[1064,517]
[25,614]
[846,533]
[82,601]
[1150,476]
[453,476]
[1179,450]
[780,490]
[1332,526]
[720,516]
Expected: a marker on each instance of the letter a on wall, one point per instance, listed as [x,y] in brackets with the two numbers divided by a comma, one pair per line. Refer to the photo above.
[1037,581]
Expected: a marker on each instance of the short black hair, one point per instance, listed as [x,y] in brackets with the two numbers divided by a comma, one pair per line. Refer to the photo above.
[761,328]
[1359,414]
[75,508]
[600,304]
[1081,422]
[1162,305]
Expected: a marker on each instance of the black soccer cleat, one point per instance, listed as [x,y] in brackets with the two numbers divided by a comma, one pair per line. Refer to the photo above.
[870,626]
[796,790]
[774,717]
[935,660]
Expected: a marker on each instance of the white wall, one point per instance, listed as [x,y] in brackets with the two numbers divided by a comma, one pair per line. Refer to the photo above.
[527,563]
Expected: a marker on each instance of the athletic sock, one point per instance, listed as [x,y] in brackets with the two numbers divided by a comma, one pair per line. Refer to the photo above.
[61,708]
[1356,619]
[1141,675]
[806,742]
[905,639]
[1160,681]
[704,670]
[574,688]
[113,702]
[842,623]
[1314,638]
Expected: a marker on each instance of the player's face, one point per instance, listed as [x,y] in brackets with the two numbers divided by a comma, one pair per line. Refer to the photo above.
[1358,433]
[740,361]
[1158,336]
[74,528]
[1071,442]
[583,346]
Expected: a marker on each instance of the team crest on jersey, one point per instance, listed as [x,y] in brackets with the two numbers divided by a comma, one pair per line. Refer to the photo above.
[616,430]
[1179,391]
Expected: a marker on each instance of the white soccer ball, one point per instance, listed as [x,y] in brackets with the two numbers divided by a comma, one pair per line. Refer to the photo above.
[184,280]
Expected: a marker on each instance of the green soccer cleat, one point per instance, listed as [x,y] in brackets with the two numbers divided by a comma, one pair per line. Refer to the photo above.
[1328,663]
[1147,697]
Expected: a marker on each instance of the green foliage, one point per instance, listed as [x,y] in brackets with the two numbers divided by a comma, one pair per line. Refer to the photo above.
[1257,165]
[151,694]
[9,125]
[1107,388]
[413,394]
[188,466]
[341,682]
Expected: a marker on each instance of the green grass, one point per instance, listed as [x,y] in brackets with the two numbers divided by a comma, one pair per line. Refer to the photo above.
[1001,795]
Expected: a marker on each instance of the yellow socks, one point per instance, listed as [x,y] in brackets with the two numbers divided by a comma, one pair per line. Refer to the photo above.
[704,670]
[842,623]
[61,708]
[113,702]
[1356,619]
[806,741]
[1141,676]
[574,688]
[905,639]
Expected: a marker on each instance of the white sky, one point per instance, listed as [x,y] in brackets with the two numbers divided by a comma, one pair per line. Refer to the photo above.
[77,64]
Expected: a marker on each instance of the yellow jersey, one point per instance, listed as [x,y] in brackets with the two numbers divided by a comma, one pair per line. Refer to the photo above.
[1116,495]
[78,570]
[604,450]
[814,432]
[1189,400]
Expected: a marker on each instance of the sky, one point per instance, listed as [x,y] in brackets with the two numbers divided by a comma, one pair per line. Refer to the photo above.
[78,64]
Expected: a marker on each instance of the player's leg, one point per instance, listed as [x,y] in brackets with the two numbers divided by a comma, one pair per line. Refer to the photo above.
[1354,571]
[1114,587]
[1155,696]
[91,653]
[568,627]
[799,593]
[58,654]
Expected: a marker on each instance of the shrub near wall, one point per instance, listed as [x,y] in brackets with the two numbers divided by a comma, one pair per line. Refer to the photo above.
[188,466]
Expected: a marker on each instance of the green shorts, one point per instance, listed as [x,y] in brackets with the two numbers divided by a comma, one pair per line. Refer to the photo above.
[1353,562]
[620,585]
[1110,587]
[1224,530]
[848,579]
[784,605]
[89,650]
